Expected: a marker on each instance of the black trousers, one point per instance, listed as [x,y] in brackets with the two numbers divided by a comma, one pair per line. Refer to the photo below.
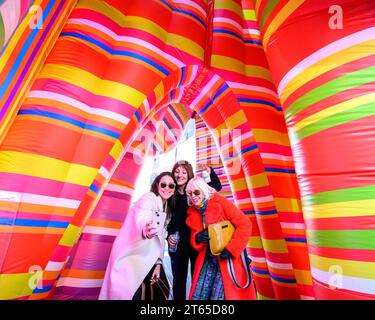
[159,291]
[179,264]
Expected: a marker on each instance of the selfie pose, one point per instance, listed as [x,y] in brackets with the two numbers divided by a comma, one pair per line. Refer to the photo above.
[135,269]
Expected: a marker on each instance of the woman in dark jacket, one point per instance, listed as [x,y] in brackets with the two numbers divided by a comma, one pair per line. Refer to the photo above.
[183,172]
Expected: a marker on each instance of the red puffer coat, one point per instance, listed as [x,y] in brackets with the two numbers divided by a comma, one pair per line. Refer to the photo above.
[219,209]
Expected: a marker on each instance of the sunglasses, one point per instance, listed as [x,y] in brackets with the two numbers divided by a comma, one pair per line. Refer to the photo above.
[195,192]
[164,185]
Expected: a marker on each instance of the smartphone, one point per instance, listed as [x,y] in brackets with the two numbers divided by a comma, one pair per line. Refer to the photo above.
[158,221]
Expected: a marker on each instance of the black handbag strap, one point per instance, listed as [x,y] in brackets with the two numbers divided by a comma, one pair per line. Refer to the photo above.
[232,274]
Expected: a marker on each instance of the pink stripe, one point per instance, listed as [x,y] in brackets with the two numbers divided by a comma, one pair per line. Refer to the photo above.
[34,216]
[334,47]
[60,253]
[85,96]
[27,184]
[86,121]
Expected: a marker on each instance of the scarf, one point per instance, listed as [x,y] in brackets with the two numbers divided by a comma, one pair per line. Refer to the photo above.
[201,208]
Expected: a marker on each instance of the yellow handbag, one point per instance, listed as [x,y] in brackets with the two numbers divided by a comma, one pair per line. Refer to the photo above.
[220,234]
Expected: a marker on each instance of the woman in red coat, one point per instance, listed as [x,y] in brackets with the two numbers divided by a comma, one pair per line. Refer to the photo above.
[212,279]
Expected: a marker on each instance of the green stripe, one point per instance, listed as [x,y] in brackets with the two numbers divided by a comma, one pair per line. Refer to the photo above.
[337,119]
[2,32]
[345,239]
[271,4]
[342,195]
[348,81]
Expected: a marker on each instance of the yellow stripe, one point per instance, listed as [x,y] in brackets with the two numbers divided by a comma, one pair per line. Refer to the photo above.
[104,9]
[346,105]
[274,246]
[255,242]
[258,180]
[271,136]
[92,83]
[159,92]
[235,120]
[227,5]
[356,269]
[70,236]
[116,150]
[279,19]
[335,60]
[230,64]
[303,277]
[340,209]
[239,184]
[24,26]
[288,205]
[168,38]
[46,167]
[249,15]
[16,285]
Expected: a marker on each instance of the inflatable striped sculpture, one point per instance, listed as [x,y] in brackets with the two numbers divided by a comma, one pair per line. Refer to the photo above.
[284,89]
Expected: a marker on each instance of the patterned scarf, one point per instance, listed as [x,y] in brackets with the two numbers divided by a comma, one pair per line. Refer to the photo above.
[201,208]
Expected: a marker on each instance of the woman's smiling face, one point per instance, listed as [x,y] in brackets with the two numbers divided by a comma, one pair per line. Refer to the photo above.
[195,195]
[181,176]
[166,187]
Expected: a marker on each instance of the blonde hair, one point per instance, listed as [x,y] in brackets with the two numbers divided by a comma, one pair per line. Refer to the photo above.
[199,183]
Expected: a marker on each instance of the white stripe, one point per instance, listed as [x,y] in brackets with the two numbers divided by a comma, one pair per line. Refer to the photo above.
[101,230]
[243,86]
[262,199]
[292,225]
[192,4]
[206,89]
[137,41]
[80,283]
[54,266]
[118,188]
[257,259]
[307,297]
[38,199]
[104,172]
[79,105]
[285,266]
[229,21]
[344,282]
[251,31]
[328,50]
[275,156]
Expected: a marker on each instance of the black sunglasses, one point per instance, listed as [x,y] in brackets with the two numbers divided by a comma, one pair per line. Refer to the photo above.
[195,192]
[164,185]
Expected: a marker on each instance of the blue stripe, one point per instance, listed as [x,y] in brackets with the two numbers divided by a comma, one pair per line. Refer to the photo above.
[116,52]
[217,94]
[282,279]
[174,111]
[259,271]
[137,115]
[33,223]
[249,212]
[296,240]
[254,146]
[94,188]
[69,120]
[42,290]
[278,108]
[264,213]
[205,107]
[237,36]
[280,170]
[6,221]
[20,58]
[182,76]
[185,12]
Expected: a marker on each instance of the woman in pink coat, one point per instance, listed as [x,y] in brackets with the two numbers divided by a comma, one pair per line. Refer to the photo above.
[135,268]
[212,279]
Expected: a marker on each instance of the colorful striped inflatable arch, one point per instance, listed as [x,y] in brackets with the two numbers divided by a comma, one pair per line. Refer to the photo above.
[284,90]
